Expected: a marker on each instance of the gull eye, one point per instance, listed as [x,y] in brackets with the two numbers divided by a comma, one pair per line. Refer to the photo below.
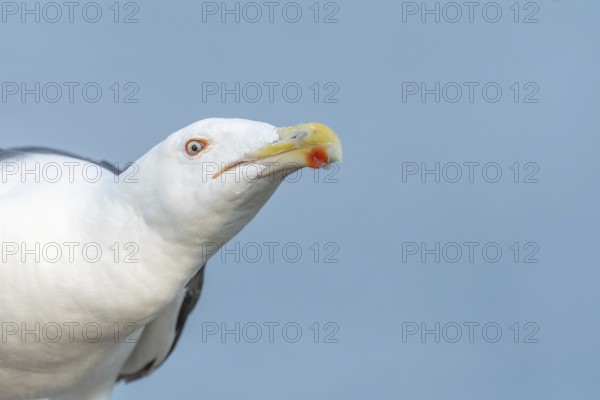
[195,146]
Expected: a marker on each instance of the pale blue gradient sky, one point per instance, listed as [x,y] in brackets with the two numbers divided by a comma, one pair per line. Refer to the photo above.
[370,212]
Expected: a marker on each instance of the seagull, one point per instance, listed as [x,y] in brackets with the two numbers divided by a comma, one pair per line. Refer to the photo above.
[100,266]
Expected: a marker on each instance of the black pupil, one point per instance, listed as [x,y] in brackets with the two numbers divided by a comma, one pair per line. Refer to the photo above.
[195,148]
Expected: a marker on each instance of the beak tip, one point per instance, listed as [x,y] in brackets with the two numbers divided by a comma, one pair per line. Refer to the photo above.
[306,140]
[328,137]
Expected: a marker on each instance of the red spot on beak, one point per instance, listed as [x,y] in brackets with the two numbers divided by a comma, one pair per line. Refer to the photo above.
[317,157]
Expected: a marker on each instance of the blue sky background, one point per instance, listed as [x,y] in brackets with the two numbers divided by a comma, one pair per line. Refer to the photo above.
[368,212]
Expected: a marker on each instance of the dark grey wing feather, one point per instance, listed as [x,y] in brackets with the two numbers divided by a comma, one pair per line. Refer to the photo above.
[192,295]
[6,154]
[193,291]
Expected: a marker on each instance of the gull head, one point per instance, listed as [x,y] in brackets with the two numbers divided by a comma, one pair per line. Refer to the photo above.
[209,180]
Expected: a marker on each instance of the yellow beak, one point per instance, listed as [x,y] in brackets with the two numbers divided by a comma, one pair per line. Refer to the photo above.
[313,145]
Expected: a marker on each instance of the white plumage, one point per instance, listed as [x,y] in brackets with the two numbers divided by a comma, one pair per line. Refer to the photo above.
[72,325]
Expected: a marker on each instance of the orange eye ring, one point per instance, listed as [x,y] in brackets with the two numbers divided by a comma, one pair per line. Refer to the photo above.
[193,147]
